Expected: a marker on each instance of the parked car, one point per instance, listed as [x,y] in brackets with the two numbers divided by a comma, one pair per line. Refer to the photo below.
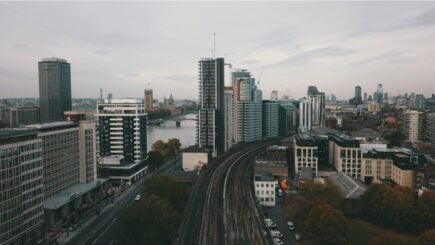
[297,236]
[276,234]
[137,197]
[276,241]
[269,223]
[290,225]
[279,192]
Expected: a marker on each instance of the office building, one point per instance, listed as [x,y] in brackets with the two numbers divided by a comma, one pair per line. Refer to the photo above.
[4,117]
[21,187]
[345,154]
[305,153]
[365,97]
[305,116]
[148,100]
[358,98]
[419,102]
[287,119]
[54,89]
[20,116]
[121,139]
[229,117]
[210,127]
[413,125]
[379,94]
[60,150]
[274,95]
[317,100]
[247,100]
[270,118]
[264,185]
[87,151]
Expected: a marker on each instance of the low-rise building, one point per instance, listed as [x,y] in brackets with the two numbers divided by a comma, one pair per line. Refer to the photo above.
[376,166]
[194,158]
[264,186]
[345,154]
[305,153]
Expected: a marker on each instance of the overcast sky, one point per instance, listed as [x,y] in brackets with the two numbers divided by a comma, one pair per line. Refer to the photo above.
[126,47]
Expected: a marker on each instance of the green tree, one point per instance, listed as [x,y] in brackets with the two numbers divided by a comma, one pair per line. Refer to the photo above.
[155,159]
[166,187]
[392,238]
[426,207]
[161,147]
[328,192]
[375,203]
[150,221]
[427,238]
[327,224]
[174,145]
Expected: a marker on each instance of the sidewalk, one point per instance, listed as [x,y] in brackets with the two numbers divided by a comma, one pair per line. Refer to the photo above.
[84,222]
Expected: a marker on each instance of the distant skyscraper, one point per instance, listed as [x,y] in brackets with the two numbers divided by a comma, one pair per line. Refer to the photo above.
[270,118]
[429,130]
[333,98]
[149,100]
[274,95]
[386,98]
[317,100]
[54,89]
[358,98]
[419,102]
[229,117]
[305,115]
[365,97]
[210,125]
[379,98]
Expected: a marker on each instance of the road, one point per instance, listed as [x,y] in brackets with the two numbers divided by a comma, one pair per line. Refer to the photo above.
[100,231]
[221,207]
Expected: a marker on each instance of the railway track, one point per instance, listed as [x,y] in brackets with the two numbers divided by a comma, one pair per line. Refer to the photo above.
[221,207]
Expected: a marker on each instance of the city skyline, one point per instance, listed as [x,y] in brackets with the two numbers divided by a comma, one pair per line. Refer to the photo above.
[130,47]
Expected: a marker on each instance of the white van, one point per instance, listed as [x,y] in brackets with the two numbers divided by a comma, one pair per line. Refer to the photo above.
[276,234]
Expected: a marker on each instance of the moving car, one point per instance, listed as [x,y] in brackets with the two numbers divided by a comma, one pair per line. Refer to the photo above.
[137,197]
[269,223]
[291,225]
[276,234]
[297,236]
[276,241]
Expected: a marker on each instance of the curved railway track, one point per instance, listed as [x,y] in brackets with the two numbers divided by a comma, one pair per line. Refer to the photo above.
[221,207]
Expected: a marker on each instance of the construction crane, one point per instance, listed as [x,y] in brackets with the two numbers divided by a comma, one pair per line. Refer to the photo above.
[259,76]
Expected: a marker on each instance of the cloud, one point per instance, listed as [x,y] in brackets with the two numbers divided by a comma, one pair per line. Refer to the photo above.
[306,57]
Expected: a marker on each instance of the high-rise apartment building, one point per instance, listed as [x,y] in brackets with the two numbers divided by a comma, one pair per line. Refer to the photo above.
[148,100]
[229,117]
[379,95]
[270,118]
[247,100]
[429,130]
[121,139]
[413,125]
[54,89]
[87,151]
[210,127]
[21,187]
[287,119]
[317,100]
[274,95]
[305,116]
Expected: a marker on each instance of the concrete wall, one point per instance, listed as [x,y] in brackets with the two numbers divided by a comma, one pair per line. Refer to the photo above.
[194,160]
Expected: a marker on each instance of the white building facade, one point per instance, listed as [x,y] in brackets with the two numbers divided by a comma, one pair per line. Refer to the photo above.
[264,186]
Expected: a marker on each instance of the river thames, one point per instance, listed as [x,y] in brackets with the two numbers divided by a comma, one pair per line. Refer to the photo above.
[167,130]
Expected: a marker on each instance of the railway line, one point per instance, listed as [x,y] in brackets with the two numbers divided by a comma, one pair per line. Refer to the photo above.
[221,207]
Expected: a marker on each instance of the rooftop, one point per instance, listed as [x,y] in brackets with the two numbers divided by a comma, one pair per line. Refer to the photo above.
[264,177]
[51,125]
[323,131]
[350,187]
[12,135]
[69,194]
[305,140]
[195,148]
[344,140]
[53,59]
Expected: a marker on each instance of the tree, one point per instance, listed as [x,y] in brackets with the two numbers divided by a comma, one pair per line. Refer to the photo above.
[426,207]
[155,159]
[161,147]
[174,145]
[392,238]
[328,192]
[375,203]
[166,187]
[427,238]
[327,224]
[151,221]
